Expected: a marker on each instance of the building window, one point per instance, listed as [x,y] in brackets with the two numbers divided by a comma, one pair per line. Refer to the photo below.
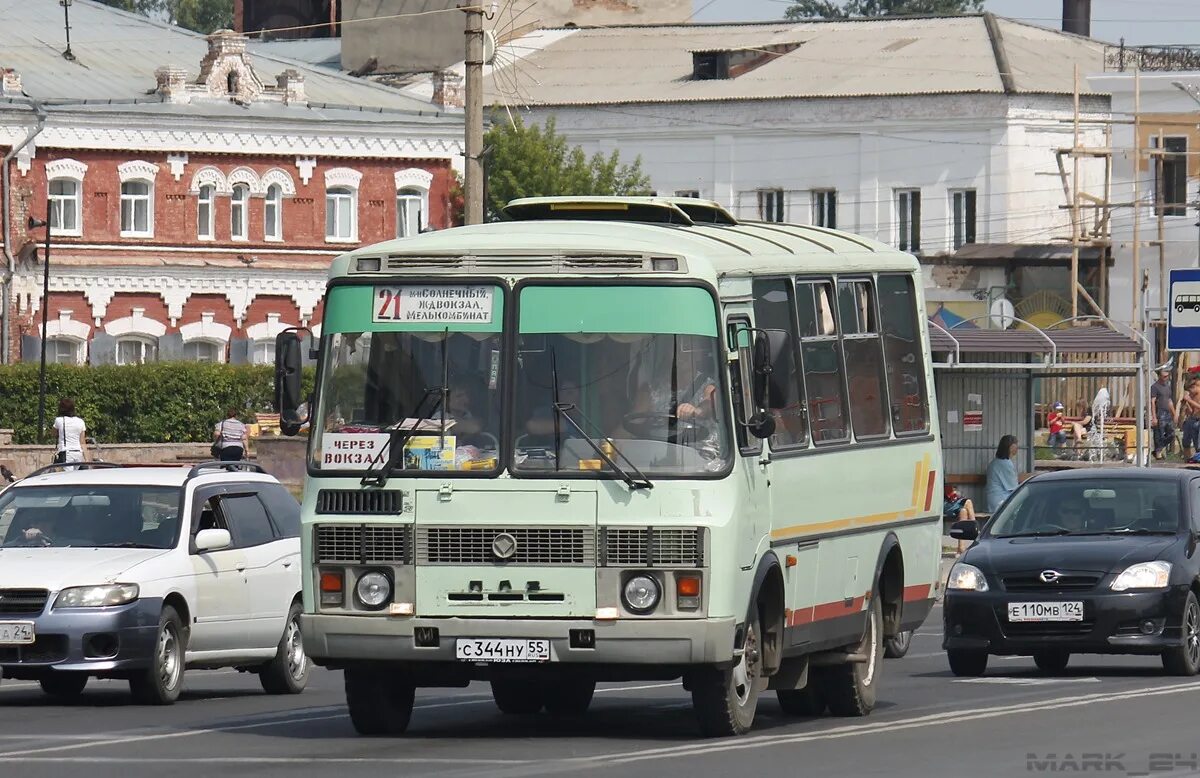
[61,351]
[692,193]
[202,351]
[409,212]
[1170,177]
[64,206]
[137,212]
[273,213]
[770,205]
[136,351]
[237,211]
[908,219]
[824,208]
[962,206]
[204,212]
[262,352]
[340,214]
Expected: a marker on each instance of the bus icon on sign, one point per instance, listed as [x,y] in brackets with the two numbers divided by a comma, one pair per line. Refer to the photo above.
[1185,301]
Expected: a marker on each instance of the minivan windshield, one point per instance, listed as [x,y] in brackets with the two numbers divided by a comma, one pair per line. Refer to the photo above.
[1093,506]
[89,516]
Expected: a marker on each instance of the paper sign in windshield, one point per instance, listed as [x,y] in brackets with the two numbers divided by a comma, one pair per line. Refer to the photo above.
[353,451]
[434,304]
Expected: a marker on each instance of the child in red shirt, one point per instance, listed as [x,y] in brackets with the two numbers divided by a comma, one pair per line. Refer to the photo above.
[1055,419]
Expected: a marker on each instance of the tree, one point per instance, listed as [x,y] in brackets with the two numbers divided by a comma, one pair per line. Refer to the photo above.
[827,9]
[532,161]
[202,16]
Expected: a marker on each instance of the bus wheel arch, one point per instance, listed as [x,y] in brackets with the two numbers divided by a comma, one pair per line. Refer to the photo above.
[768,597]
[888,584]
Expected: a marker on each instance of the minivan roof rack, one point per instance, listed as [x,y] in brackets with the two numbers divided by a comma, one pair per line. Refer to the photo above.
[76,465]
[216,464]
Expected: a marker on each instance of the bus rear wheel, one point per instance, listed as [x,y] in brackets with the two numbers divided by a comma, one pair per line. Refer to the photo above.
[518,698]
[850,689]
[725,699]
[380,701]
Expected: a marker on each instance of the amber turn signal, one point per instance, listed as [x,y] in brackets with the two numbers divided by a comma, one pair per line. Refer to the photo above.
[688,586]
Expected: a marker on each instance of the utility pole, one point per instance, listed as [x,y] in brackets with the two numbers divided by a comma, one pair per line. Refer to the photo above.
[33,225]
[474,112]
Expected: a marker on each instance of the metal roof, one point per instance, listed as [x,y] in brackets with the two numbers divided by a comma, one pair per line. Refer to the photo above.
[117,53]
[1076,340]
[853,58]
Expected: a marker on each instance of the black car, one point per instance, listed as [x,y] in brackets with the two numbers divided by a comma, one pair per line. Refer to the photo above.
[1086,562]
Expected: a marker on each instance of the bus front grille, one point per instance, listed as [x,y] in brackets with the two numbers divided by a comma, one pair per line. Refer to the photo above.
[362,543]
[475,545]
[653,546]
[350,501]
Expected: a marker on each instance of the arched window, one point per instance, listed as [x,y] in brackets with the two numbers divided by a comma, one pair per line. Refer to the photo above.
[137,208]
[62,351]
[273,213]
[202,351]
[410,211]
[204,212]
[65,206]
[340,214]
[136,350]
[238,202]
[263,352]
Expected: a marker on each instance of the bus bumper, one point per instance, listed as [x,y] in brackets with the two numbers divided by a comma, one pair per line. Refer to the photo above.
[336,639]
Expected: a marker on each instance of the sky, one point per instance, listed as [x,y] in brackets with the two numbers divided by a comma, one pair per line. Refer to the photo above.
[1140,22]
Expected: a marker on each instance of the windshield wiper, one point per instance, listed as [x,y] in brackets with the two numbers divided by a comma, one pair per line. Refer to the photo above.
[1049,533]
[641,482]
[127,544]
[1132,531]
[400,434]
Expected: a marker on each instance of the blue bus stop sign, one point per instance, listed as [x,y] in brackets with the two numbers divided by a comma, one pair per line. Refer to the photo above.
[1183,311]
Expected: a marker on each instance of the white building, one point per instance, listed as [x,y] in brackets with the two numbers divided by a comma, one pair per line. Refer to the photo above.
[930,134]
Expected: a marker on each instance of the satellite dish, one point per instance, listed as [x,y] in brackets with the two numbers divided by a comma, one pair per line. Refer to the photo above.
[489,47]
[1001,313]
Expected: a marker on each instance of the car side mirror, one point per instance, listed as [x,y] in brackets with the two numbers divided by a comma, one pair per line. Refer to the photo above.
[213,540]
[288,363]
[761,425]
[964,530]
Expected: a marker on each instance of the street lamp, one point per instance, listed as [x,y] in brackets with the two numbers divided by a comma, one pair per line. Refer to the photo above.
[33,225]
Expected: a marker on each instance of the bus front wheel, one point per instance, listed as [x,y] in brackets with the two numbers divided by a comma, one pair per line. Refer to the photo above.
[518,698]
[725,699]
[380,701]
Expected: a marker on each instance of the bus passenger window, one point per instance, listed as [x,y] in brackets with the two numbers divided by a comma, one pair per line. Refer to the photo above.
[902,350]
[773,310]
[823,369]
[864,359]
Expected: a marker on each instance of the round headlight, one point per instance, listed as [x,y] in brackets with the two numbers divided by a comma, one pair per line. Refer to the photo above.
[641,594]
[373,590]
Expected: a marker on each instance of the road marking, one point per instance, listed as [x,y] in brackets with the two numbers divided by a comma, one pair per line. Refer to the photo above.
[269,760]
[1025,681]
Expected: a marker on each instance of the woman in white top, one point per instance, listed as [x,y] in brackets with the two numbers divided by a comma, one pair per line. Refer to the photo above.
[229,435]
[70,433]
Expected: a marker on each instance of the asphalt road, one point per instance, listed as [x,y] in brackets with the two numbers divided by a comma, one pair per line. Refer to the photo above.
[1014,721]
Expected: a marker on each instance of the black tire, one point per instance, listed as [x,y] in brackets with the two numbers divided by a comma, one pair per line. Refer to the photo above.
[967,662]
[1185,660]
[849,689]
[162,681]
[897,645]
[380,701]
[1052,661]
[802,702]
[518,698]
[725,699]
[64,686]
[287,673]
[569,698]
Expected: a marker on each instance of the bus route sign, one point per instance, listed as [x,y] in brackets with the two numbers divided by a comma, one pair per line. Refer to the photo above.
[1183,310]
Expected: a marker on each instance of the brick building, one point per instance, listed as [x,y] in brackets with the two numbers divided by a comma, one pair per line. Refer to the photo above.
[196,193]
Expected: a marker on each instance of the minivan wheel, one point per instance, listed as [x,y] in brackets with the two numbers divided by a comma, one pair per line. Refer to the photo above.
[287,673]
[1185,659]
[162,681]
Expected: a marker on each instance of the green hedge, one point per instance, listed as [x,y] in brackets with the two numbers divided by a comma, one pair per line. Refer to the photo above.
[167,402]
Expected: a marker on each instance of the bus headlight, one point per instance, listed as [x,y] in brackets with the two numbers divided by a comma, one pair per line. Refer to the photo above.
[373,590]
[641,594]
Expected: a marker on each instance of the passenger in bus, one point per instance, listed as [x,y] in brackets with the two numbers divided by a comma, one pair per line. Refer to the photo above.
[1002,473]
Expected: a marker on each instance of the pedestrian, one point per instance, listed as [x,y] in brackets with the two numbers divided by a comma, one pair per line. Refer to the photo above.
[229,437]
[1002,473]
[1055,420]
[1189,417]
[957,508]
[1162,412]
[70,434]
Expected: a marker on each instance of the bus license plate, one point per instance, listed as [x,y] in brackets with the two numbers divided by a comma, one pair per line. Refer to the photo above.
[502,650]
[16,633]
[1045,611]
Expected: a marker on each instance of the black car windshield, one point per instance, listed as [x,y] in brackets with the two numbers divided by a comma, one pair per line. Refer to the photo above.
[89,516]
[1099,506]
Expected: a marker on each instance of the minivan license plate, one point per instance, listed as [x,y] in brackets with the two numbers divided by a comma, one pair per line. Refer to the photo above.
[16,633]
[502,650]
[1045,611]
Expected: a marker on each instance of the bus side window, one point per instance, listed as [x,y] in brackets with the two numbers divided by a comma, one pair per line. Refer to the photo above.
[902,353]
[774,310]
[822,359]
[863,358]
[741,381]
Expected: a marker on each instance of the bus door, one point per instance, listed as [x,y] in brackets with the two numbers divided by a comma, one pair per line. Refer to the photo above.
[751,469]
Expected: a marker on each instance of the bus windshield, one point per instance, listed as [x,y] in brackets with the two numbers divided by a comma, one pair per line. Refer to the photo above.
[632,368]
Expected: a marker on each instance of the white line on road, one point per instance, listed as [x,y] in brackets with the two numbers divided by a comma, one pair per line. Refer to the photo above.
[1025,681]
[269,760]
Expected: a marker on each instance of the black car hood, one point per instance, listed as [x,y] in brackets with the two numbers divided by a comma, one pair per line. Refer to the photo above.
[1094,553]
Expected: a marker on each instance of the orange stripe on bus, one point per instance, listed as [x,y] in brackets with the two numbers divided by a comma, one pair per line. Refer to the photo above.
[929,489]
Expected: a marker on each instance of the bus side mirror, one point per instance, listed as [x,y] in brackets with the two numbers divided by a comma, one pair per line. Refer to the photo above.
[288,361]
[761,425]
[774,365]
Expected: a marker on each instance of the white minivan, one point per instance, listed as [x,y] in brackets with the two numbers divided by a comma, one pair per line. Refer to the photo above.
[141,572]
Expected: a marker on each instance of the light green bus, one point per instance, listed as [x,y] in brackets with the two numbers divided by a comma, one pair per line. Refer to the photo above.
[615,439]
